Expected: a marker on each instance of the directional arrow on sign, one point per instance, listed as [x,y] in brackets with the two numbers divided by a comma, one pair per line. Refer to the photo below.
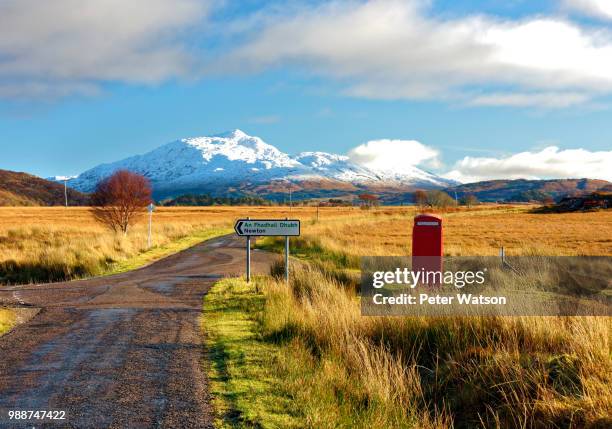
[238,227]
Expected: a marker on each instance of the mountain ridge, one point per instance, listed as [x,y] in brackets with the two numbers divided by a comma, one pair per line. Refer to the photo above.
[235,162]
[526,189]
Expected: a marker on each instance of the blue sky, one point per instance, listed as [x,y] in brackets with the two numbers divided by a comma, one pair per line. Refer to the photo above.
[491,88]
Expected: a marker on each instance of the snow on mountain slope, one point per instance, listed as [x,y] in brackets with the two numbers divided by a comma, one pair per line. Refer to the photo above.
[200,160]
[337,167]
[412,175]
[212,164]
[341,168]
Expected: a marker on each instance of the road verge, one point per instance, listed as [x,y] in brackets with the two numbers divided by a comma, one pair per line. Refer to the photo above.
[11,317]
[246,389]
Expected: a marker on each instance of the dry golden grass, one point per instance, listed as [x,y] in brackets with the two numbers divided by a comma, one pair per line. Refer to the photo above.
[7,319]
[349,370]
[40,244]
[468,232]
[54,243]
[11,317]
[47,244]
[346,370]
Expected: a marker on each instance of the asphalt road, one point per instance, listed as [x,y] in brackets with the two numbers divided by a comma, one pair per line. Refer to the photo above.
[121,351]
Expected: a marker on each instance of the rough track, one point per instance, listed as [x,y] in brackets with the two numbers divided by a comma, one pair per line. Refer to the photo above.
[119,351]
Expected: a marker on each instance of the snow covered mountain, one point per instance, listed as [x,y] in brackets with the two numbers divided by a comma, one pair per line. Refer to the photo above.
[235,162]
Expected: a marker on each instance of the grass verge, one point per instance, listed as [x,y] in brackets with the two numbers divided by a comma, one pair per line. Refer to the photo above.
[247,390]
[8,319]
[11,317]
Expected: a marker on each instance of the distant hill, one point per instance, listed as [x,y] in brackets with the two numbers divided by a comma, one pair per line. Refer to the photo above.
[595,201]
[523,190]
[22,189]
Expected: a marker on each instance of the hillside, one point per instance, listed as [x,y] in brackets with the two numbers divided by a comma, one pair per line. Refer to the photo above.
[22,189]
[528,190]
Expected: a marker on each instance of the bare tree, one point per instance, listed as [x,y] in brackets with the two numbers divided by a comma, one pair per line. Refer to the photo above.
[469,200]
[120,199]
[420,198]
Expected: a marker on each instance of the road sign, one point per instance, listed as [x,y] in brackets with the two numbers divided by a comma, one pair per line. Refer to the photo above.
[266,227]
[151,208]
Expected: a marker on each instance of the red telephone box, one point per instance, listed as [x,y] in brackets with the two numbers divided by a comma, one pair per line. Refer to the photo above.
[427,243]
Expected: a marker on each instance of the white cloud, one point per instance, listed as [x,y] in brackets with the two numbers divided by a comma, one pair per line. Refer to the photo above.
[549,163]
[543,99]
[595,8]
[392,49]
[393,155]
[384,49]
[60,47]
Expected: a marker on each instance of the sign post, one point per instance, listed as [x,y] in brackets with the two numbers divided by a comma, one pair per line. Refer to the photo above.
[151,209]
[286,258]
[248,257]
[266,227]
